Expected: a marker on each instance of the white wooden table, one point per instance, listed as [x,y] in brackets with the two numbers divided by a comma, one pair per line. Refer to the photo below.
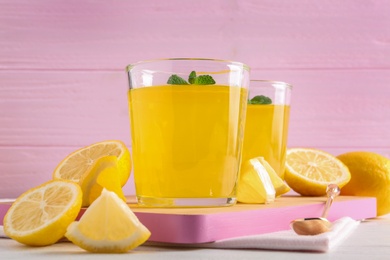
[371,240]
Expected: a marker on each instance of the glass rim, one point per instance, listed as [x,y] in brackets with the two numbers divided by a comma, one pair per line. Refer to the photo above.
[285,84]
[132,65]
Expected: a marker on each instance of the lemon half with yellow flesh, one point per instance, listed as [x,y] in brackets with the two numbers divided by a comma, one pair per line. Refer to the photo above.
[41,215]
[310,171]
[80,162]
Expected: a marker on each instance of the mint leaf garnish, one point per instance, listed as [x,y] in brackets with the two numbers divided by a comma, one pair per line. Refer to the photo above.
[260,100]
[204,80]
[176,80]
[192,77]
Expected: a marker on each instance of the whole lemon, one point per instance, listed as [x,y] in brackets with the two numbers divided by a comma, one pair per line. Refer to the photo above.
[370,176]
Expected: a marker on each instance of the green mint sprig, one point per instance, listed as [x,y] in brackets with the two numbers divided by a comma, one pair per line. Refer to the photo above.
[176,80]
[260,100]
[192,79]
[204,80]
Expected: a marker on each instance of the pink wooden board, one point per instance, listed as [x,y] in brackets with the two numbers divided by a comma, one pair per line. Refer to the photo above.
[202,225]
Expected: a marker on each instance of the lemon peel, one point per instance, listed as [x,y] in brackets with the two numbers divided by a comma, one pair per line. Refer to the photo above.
[370,176]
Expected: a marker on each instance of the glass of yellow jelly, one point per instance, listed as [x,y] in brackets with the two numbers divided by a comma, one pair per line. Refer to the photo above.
[267,120]
[187,119]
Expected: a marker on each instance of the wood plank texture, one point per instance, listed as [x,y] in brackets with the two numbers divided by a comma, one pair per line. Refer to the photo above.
[63,84]
[46,108]
[264,34]
[329,108]
[22,168]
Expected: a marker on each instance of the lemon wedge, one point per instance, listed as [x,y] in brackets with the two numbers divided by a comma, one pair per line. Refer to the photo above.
[108,226]
[310,171]
[80,162]
[255,185]
[40,216]
[279,184]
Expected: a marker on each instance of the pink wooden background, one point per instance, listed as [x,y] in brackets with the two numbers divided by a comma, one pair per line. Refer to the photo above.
[63,83]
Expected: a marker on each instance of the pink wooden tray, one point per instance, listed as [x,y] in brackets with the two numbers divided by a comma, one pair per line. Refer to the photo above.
[201,225]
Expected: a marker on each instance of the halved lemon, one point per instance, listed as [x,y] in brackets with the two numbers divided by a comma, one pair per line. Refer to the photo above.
[79,163]
[108,226]
[40,216]
[310,171]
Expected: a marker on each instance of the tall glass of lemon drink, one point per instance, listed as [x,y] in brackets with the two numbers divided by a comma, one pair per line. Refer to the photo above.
[187,120]
[267,121]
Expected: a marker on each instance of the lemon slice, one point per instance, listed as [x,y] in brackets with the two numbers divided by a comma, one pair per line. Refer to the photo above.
[255,185]
[310,171]
[40,216]
[104,173]
[108,226]
[80,162]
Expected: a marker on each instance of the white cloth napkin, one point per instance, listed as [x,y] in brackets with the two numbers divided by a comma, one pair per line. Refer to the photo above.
[285,240]
[282,240]
[2,234]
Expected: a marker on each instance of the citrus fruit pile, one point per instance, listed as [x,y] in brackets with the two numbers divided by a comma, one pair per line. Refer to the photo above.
[309,171]
[92,176]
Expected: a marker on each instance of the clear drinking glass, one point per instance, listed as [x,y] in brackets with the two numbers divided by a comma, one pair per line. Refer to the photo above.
[267,119]
[187,133]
